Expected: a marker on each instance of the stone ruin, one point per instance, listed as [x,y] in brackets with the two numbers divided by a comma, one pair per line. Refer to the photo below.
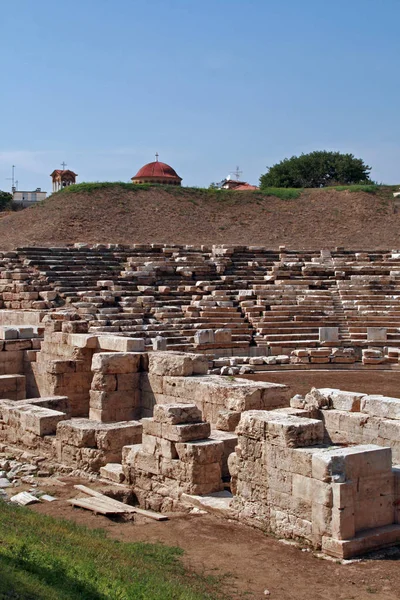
[136,377]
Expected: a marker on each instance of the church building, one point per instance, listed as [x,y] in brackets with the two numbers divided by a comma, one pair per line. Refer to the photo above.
[157,172]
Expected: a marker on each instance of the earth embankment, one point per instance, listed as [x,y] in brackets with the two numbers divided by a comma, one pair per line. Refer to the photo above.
[115,214]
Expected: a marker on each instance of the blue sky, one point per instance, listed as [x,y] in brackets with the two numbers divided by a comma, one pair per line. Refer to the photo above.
[208,84]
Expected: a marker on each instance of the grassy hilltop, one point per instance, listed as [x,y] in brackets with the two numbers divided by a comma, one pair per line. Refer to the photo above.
[353,216]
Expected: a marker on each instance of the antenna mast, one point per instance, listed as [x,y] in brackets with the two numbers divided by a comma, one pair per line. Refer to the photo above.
[237,173]
[12,178]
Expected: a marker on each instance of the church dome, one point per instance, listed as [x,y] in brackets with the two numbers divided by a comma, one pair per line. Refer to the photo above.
[157,172]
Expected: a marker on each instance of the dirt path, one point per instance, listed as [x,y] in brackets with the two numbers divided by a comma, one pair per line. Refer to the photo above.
[251,560]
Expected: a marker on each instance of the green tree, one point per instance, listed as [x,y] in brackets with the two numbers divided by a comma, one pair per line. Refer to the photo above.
[5,200]
[317,169]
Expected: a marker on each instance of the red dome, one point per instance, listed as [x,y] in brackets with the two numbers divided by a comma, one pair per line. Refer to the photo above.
[157,170]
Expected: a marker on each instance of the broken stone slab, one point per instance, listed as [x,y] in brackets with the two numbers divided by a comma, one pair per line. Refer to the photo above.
[24,499]
[4,483]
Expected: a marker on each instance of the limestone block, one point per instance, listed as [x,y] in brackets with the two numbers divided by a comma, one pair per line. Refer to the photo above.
[187,432]
[204,336]
[74,327]
[363,542]
[104,383]
[159,343]
[343,523]
[80,340]
[376,334]
[58,403]
[201,451]
[8,333]
[150,427]
[321,519]
[381,406]
[129,452]
[344,464]
[222,336]
[343,494]
[341,400]
[128,381]
[329,334]
[146,462]
[281,429]
[312,490]
[174,364]
[177,413]
[61,366]
[113,472]
[40,421]
[116,362]
[78,433]
[116,343]
[209,473]
[294,460]
[227,420]
[173,469]
[396,493]
[373,512]
[199,363]
[113,436]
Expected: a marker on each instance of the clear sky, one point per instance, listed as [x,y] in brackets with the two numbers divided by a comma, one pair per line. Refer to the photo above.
[208,84]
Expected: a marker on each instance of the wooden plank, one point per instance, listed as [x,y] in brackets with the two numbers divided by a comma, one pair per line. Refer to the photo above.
[96,505]
[140,511]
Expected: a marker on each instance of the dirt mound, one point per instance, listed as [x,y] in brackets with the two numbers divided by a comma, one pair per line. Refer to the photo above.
[117,214]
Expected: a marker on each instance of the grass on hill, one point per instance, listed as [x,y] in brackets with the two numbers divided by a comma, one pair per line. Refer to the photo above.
[195,194]
[371,188]
[222,194]
[48,559]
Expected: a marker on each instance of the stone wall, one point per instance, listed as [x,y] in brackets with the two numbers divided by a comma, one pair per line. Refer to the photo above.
[343,500]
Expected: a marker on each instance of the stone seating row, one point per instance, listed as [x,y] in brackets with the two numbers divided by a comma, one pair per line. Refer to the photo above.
[268,298]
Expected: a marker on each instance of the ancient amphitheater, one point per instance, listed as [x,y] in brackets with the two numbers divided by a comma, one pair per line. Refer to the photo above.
[239,379]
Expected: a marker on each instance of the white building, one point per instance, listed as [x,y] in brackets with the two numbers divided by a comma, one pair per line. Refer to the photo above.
[28,198]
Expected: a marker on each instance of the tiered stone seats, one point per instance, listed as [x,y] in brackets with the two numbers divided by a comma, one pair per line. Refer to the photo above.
[275,300]
[370,294]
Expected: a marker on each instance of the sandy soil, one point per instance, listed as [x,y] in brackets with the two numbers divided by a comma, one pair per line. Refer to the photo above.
[371,381]
[248,561]
[318,219]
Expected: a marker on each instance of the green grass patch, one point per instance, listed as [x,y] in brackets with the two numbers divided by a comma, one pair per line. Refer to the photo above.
[283,193]
[369,188]
[48,559]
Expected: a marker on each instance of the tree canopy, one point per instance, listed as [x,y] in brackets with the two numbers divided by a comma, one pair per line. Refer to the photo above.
[5,200]
[317,169]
